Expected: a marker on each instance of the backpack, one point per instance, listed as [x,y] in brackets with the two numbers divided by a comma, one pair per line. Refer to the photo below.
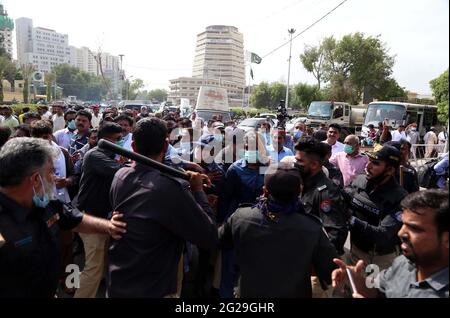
[426,174]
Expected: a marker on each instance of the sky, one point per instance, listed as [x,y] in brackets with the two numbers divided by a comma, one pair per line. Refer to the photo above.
[158,37]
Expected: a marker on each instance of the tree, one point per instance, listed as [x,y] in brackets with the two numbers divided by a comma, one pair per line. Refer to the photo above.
[312,60]
[306,93]
[76,82]
[7,72]
[26,70]
[260,96]
[277,93]
[388,89]
[439,86]
[134,88]
[49,81]
[159,94]
[353,65]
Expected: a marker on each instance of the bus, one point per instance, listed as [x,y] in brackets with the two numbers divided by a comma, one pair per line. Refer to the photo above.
[398,113]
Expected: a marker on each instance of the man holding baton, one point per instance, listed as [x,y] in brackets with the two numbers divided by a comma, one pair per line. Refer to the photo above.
[162,213]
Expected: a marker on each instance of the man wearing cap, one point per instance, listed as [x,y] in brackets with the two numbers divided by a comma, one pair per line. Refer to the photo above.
[276,242]
[277,150]
[9,120]
[374,200]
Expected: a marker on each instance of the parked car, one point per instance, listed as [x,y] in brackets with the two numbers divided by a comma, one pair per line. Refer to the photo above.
[251,123]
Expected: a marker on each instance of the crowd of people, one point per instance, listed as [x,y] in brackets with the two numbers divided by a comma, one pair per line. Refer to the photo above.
[264,213]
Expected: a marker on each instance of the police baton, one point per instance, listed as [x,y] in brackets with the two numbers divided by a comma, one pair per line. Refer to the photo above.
[401,175]
[107,145]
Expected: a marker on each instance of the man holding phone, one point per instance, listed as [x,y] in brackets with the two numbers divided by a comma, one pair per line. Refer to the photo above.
[422,270]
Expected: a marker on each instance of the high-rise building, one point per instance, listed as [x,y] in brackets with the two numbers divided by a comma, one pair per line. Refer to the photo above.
[219,61]
[6,28]
[219,54]
[83,58]
[41,47]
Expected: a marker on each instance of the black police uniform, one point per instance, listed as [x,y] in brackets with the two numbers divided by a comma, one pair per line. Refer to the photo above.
[377,215]
[410,179]
[29,257]
[275,253]
[334,174]
[321,197]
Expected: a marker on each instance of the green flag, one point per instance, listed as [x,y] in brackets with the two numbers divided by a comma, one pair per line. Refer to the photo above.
[255,59]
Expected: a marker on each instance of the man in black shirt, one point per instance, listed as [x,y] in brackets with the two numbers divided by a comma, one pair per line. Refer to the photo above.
[276,242]
[30,220]
[162,212]
[99,167]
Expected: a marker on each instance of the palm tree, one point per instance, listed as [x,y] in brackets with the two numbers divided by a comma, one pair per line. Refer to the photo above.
[27,70]
[49,80]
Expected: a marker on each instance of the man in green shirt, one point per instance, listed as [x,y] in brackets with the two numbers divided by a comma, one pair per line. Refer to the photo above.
[9,121]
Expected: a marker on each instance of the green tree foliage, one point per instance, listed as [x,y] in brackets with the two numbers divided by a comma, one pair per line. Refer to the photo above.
[261,96]
[7,72]
[158,94]
[76,82]
[352,65]
[439,86]
[313,61]
[306,93]
[277,93]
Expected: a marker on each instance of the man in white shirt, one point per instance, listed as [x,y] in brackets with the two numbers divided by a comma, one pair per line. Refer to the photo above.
[64,135]
[334,131]
[399,134]
[127,126]
[96,117]
[442,137]
[58,118]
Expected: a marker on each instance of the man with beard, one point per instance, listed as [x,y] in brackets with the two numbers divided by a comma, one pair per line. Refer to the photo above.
[374,202]
[422,270]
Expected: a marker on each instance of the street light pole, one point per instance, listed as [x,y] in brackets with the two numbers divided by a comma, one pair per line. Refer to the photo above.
[291,32]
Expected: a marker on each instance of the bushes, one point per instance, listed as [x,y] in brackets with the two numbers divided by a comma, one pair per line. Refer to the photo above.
[238,111]
[17,108]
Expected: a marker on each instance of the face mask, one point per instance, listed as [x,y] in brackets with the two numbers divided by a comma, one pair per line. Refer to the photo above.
[120,143]
[413,129]
[251,156]
[240,154]
[348,149]
[41,202]
[71,125]
[185,146]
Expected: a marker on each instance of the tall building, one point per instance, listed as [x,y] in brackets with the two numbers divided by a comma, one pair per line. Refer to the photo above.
[83,58]
[219,61]
[6,28]
[219,54]
[41,47]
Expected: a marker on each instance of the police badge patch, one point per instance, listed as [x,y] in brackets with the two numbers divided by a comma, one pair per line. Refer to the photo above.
[325,205]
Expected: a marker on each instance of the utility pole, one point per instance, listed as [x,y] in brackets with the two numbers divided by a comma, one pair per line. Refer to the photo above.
[291,32]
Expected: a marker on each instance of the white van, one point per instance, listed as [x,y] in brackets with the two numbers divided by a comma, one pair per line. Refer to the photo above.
[212,100]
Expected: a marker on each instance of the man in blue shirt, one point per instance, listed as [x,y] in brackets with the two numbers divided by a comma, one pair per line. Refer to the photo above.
[277,150]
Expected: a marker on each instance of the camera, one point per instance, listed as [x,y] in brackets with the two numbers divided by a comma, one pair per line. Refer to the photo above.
[282,115]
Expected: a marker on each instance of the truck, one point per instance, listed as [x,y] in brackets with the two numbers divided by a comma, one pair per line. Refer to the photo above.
[349,117]
[212,100]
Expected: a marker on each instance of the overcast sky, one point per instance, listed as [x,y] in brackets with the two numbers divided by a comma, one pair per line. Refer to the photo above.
[158,37]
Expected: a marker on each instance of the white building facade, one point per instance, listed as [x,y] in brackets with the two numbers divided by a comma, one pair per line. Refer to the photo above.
[6,30]
[41,47]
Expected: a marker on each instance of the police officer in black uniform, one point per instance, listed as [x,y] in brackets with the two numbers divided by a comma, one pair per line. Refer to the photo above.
[320,195]
[406,175]
[30,220]
[276,243]
[374,202]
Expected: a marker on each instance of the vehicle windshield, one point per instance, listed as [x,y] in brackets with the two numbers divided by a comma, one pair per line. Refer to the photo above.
[379,112]
[320,109]
[250,122]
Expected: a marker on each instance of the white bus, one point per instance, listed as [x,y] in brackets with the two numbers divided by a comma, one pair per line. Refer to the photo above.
[400,114]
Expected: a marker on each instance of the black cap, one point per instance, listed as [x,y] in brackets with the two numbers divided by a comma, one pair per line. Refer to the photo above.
[385,153]
[283,181]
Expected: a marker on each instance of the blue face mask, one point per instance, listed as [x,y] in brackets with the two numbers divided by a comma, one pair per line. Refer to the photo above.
[120,143]
[251,156]
[71,125]
[41,202]
[348,149]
